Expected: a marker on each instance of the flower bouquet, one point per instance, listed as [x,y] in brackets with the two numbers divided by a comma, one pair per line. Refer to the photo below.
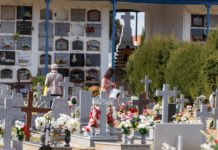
[86,131]
[1,131]
[135,121]
[147,120]
[90,29]
[125,126]
[212,143]
[111,116]
[157,108]
[180,117]
[19,132]
[143,131]
[94,117]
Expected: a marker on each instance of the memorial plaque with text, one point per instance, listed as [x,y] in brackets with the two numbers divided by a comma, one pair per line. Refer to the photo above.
[93,60]
[6,74]
[23,58]
[77,30]
[42,43]
[7,27]
[77,76]
[62,59]
[23,74]
[7,58]
[64,72]
[24,12]
[7,43]
[94,15]
[61,45]
[93,30]
[78,14]
[8,13]
[77,45]
[24,27]
[42,59]
[77,60]
[24,43]
[62,29]
[42,29]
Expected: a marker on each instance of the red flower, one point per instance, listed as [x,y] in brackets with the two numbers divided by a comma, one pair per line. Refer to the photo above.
[216,141]
[70,107]
[26,132]
[24,128]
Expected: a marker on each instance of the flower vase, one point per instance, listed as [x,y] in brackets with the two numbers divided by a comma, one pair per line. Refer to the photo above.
[67,140]
[18,145]
[92,131]
[42,138]
[111,130]
[124,139]
[142,139]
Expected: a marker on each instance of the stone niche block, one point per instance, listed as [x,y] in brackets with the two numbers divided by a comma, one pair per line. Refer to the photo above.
[93,30]
[93,45]
[23,74]
[6,74]
[92,75]
[7,27]
[24,12]
[192,137]
[41,71]
[43,14]
[77,30]
[62,15]
[94,15]
[7,43]
[77,60]
[62,59]
[77,76]
[24,43]
[7,58]
[42,43]
[78,15]
[64,72]
[62,29]
[42,59]
[93,60]
[77,45]
[61,45]
[7,12]
[42,29]
[24,28]
[23,58]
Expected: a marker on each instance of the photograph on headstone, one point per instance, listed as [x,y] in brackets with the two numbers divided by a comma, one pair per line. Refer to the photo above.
[94,15]
[78,15]
[64,72]
[77,60]
[61,45]
[24,28]
[6,74]
[7,58]
[42,59]
[24,43]
[24,12]
[23,74]
[42,29]
[93,45]
[77,30]
[62,29]
[7,13]
[7,43]
[7,27]
[62,15]
[93,30]
[62,59]
[93,60]
[77,76]
[43,14]
[92,75]
[77,45]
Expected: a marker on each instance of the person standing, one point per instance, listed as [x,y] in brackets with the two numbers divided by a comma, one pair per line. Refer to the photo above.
[52,81]
[106,82]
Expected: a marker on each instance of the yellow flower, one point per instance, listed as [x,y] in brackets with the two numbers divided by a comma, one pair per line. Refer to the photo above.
[57,61]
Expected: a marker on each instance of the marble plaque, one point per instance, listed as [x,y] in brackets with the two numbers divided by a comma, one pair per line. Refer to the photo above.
[7,58]
[62,15]
[93,45]
[24,43]
[6,74]
[7,27]
[42,59]
[93,30]
[77,45]
[94,15]
[77,60]
[62,59]
[42,29]
[43,14]
[93,60]
[23,58]
[61,45]
[77,30]
[23,74]
[7,43]
[77,76]
[92,75]
[64,72]
[62,29]
[24,28]
[42,43]
[8,13]
[24,12]
[78,15]
[41,71]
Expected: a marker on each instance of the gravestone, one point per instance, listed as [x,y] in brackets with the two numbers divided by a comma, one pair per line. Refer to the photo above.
[93,45]
[76,92]
[7,27]
[62,59]
[62,29]
[42,43]
[171,111]
[103,102]
[60,106]
[24,41]
[23,58]
[47,100]
[78,15]
[7,43]
[78,45]
[9,115]
[7,13]
[66,84]
[5,93]
[175,96]
[146,81]
[17,99]
[42,29]
[203,114]
[77,60]
[123,96]
[62,15]
[77,76]
[24,28]
[165,95]
[85,100]
[96,30]
[181,102]
[6,74]
[77,30]
[38,89]
[61,45]
[94,16]
[93,60]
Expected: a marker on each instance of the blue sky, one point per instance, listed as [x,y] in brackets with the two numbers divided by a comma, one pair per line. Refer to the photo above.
[141,21]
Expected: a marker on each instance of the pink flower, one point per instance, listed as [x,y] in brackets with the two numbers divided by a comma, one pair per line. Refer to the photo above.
[180,114]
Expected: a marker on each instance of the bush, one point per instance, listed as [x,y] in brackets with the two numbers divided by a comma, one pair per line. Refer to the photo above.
[40,79]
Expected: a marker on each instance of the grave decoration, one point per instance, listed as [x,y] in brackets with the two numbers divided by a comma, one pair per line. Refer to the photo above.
[77,60]
[24,12]
[125,126]
[212,142]
[62,59]
[94,117]
[77,76]
[93,45]
[181,102]
[7,58]
[180,117]
[7,43]
[72,102]
[66,84]
[77,45]
[92,75]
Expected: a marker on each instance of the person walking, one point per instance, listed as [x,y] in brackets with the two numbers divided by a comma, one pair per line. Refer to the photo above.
[106,82]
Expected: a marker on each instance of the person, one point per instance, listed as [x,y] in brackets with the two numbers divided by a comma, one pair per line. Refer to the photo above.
[106,82]
[52,81]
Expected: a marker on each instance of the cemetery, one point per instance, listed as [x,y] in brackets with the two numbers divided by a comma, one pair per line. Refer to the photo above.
[163,93]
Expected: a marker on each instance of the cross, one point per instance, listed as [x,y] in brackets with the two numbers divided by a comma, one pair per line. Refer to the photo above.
[47,99]
[9,114]
[181,102]
[66,84]
[39,89]
[126,18]
[29,110]
[5,92]
[123,96]
[177,92]
[216,99]
[165,93]
[141,103]
[103,101]
[146,82]
[203,114]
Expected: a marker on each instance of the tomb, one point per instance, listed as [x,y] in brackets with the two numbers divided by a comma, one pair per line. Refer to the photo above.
[7,58]
[93,45]
[77,45]
[77,60]
[24,43]
[23,74]
[23,58]
[61,45]
[93,30]
[7,43]
[64,72]
[7,27]
[77,30]
[43,14]
[42,29]
[7,12]
[42,43]
[93,60]
[62,15]
[77,76]
[78,15]
[42,59]
[41,71]
[24,12]
[24,27]
[62,29]
[92,75]
[94,16]
[62,59]
[6,74]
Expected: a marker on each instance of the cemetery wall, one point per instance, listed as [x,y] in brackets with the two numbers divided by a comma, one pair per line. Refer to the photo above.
[78,39]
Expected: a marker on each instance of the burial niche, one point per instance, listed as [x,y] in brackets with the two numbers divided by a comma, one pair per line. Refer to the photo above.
[42,59]
[77,30]
[77,60]
[92,75]
[24,27]
[7,58]
[77,76]
[6,74]
[64,72]
[23,74]
[93,60]
[62,59]
[43,14]
[62,29]
[93,45]
[78,15]
[78,45]
[94,15]
[41,71]
[24,12]
[61,45]
[8,13]
[62,15]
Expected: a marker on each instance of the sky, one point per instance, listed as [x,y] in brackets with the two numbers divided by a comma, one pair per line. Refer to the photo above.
[141,21]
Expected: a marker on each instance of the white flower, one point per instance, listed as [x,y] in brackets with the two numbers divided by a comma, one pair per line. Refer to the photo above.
[142,126]
[206,146]
[125,124]
[19,125]
[40,122]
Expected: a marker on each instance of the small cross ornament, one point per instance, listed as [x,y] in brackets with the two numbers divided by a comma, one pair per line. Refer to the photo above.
[66,84]
[146,81]
[181,102]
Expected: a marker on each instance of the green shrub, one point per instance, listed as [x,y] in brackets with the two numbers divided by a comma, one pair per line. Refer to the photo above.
[40,79]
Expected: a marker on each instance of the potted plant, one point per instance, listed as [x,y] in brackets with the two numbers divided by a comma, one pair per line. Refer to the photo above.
[26,47]
[125,126]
